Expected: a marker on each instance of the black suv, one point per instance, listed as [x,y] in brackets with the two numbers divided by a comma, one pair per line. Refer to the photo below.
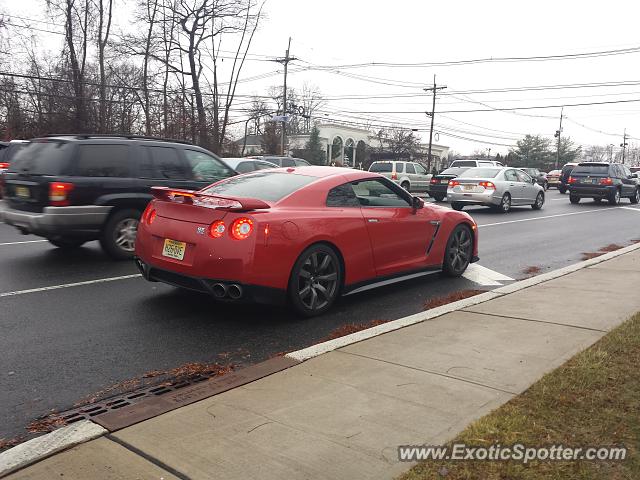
[74,188]
[611,181]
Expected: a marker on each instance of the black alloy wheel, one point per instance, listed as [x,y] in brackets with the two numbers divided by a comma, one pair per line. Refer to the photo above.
[574,198]
[539,201]
[635,198]
[315,280]
[458,252]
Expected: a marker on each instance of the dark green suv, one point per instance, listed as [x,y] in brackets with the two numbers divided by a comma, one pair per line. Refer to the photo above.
[610,181]
[74,188]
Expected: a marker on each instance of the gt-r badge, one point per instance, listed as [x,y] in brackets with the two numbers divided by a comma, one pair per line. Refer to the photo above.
[200,230]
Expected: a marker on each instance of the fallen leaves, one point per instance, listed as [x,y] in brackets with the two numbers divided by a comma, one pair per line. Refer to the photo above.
[452,297]
[612,247]
[350,328]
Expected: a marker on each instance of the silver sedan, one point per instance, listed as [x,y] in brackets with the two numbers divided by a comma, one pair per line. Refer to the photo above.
[499,188]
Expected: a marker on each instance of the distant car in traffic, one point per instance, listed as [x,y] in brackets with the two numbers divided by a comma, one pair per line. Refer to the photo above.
[537,175]
[301,236]
[603,181]
[496,187]
[282,161]
[553,178]
[475,163]
[411,176]
[71,189]
[634,169]
[439,183]
[565,173]
[7,153]
[245,165]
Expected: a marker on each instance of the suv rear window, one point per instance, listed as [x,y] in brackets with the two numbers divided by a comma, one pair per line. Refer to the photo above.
[589,169]
[44,157]
[381,167]
[463,163]
[266,186]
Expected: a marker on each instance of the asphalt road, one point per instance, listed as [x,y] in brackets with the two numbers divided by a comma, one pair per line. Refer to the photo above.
[62,345]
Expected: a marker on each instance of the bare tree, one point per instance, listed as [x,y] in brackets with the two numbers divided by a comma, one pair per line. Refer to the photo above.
[104,29]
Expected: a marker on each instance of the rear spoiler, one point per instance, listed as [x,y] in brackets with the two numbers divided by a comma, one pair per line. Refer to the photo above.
[198,199]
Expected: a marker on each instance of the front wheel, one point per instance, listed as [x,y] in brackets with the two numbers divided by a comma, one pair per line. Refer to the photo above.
[66,243]
[539,202]
[315,280]
[458,252]
[457,206]
[405,185]
[118,237]
[635,198]
[574,199]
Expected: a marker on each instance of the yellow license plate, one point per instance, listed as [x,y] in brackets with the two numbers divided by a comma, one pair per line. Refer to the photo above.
[174,249]
[22,192]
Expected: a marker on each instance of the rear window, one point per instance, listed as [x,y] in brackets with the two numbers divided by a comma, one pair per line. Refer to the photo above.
[464,163]
[265,186]
[481,172]
[381,167]
[591,169]
[47,157]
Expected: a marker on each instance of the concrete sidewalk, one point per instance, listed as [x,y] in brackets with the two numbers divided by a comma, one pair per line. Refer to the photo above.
[343,414]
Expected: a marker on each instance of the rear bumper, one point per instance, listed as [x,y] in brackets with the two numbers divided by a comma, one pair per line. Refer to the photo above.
[81,220]
[592,191]
[487,198]
[211,286]
[435,189]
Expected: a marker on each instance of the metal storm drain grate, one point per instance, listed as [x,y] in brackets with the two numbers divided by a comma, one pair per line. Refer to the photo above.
[93,410]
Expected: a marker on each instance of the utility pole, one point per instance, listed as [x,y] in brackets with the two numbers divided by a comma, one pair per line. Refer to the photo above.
[432,114]
[624,145]
[489,154]
[285,61]
[558,134]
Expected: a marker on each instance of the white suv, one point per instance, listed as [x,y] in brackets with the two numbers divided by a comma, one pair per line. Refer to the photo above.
[409,175]
[475,163]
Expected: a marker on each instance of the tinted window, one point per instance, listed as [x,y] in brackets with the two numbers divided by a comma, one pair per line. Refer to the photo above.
[245,167]
[399,167]
[381,167]
[45,157]
[263,165]
[374,193]
[523,177]
[206,167]
[166,163]
[591,169]
[288,162]
[266,186]
[342,196]
[103,161]
[510,176]
[420,170]
[481,173]
[626,171]
[410,168]
[9,153]
[302,163]
[464,163]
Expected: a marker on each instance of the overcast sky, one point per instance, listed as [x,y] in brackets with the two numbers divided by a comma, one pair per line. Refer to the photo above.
[341,33]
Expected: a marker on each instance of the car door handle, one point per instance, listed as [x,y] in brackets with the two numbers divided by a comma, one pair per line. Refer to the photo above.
[372,220]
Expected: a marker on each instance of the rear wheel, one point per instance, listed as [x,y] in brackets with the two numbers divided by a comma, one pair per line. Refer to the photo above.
[505,203]
[635,198]
[439,197]
[405,185]
[574,199]
[459,251]
[562,189]
[315,280]
[457,206]
[546,186]
[614,198]
[118,237]
[66,242]
[539,202]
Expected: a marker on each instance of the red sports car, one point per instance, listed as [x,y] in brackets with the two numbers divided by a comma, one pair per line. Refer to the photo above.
[301,235]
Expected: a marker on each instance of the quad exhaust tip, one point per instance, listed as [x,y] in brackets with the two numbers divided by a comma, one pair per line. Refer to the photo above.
[219,290]
[234,291]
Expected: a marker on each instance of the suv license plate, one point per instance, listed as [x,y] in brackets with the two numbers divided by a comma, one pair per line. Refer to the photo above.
[174,249]
[22,192]
[444,181]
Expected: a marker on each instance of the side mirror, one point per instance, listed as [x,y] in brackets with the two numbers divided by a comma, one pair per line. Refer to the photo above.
[634,175]
[534,181]
[417,203]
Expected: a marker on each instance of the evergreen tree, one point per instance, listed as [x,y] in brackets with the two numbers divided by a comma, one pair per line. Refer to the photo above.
[315,152]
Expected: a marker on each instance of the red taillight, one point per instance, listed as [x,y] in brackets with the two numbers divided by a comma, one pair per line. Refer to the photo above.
[59,193]
[487,185]
[606,181]
[241,228]
[217,229]
[394,176]
[571,180]
[453,183]
[4,165]
[434,180]
[152,216]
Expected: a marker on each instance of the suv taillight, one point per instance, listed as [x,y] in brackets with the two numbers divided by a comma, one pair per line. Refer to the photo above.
[606,181]
[571,180]
[394,176]
[434,180]
[59,193]
[4,165]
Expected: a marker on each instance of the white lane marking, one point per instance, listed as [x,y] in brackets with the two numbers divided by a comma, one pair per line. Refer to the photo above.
[484,276]
[20,243]
[636,209]
[68,285]
[553,216]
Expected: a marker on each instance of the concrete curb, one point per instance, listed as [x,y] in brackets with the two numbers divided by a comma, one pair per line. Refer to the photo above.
[42,447]
[321,348]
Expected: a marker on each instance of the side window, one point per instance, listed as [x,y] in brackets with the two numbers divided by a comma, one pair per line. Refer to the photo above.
[342,196]
[410,168]
[420,170]
[375,193]
[399,167]
[245,167]
[627,172]
[523,176]
[511,176]
[167,164]
[263,165]
[288,162]
[205,167]
[103,161]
